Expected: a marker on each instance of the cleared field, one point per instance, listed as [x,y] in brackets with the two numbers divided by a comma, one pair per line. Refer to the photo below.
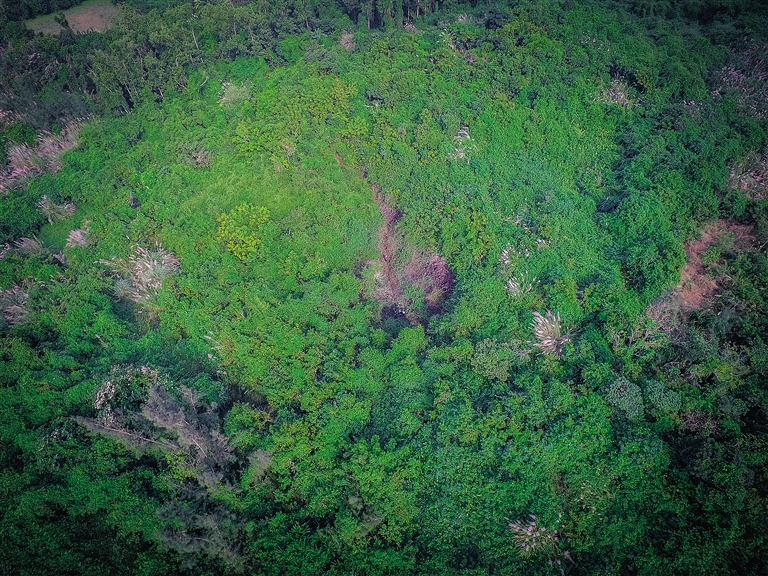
[93,15]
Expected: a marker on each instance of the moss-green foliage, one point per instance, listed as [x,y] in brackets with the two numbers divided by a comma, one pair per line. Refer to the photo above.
[300,424]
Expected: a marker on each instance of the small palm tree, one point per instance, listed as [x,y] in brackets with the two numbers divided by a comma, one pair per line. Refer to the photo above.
[519,285]
[532,537]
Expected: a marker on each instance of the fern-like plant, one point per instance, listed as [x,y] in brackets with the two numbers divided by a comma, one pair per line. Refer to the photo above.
[239,229]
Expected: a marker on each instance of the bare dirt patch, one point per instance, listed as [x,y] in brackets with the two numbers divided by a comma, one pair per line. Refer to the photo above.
[92,16]
[389,290]
[428,272]
[696,287]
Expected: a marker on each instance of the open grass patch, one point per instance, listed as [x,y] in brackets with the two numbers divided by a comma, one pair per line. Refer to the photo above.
[90,16]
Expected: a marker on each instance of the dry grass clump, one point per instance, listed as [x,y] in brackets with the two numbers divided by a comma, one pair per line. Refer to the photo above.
[745,79]
[431,273]
[51,147]
[22,160]
[25,163]
[667,313]
[77,238]
[696,287]
[13,305]
[28,246]
[201,158]
[8,117]
[547,330]
[347,40]
[55,212]
[141,275]
[750,175]
[699,421]
[195,154]
[617,93]
[232,94]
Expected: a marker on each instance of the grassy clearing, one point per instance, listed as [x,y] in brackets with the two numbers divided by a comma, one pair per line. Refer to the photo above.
[93,15]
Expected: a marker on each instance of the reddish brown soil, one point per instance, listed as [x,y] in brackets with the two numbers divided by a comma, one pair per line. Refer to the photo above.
[696,288]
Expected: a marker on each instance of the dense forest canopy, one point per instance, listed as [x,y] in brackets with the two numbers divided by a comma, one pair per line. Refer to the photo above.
[385,287]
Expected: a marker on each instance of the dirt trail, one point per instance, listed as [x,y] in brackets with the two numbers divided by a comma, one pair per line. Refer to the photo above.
[696,288]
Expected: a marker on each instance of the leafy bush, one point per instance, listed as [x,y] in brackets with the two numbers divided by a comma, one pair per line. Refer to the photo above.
[239,229]
[661,399]
[627,397]
[492,360]
[381,437]
[244,425]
